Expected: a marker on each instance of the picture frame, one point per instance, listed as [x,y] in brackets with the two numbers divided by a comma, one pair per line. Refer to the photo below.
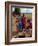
[9,7]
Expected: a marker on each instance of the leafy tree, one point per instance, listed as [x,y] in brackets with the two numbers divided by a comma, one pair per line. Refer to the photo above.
[17,10]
